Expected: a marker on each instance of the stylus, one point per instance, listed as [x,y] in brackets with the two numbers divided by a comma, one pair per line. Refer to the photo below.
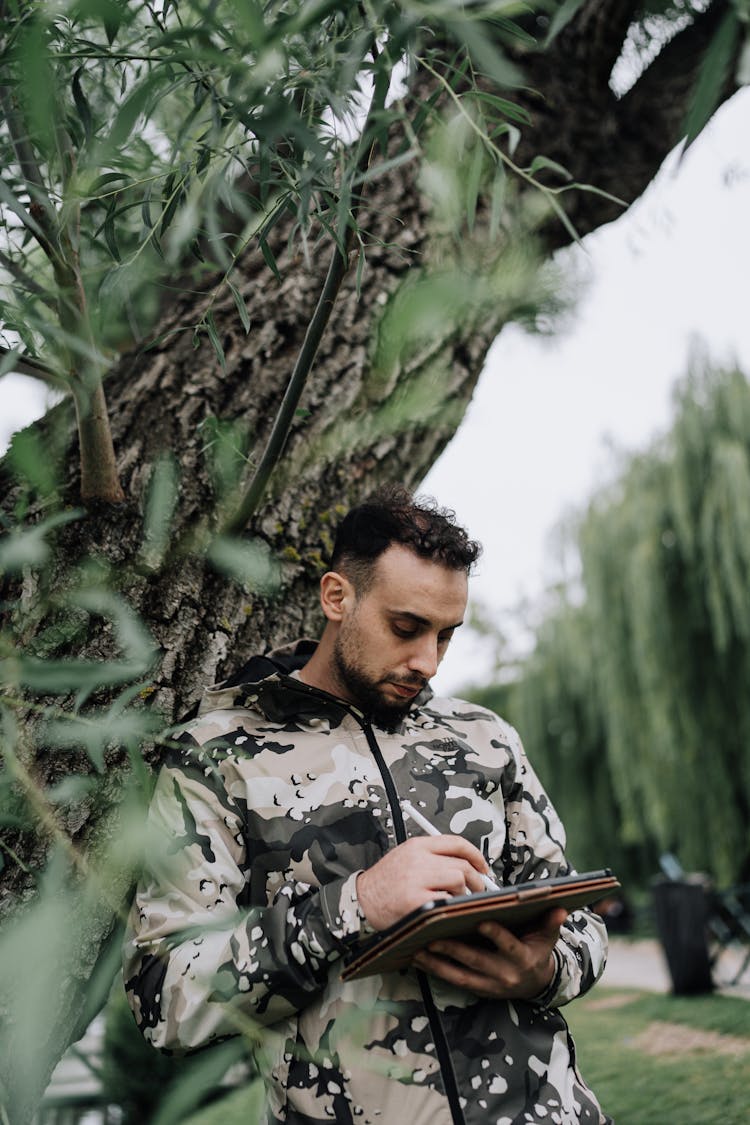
[431,830]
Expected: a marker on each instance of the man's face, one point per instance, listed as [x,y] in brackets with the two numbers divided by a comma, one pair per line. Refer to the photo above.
[392,639]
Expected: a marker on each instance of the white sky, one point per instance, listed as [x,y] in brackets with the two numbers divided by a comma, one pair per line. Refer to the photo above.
[534,442]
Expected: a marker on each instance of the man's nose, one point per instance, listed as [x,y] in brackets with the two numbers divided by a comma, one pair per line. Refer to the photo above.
[424,657]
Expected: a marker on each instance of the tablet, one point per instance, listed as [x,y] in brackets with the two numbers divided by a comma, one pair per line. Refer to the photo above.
[516,907]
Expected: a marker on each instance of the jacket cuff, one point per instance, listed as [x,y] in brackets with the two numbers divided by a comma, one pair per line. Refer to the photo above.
[342,911]
[545,998]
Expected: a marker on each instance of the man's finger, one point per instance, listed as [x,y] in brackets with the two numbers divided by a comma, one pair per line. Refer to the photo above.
[504,940]
[456,846]
[551,922]
[511,945]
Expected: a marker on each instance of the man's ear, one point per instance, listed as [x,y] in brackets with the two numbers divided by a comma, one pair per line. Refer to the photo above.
[336,595]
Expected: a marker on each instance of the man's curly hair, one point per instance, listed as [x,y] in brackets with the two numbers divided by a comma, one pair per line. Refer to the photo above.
[393,515]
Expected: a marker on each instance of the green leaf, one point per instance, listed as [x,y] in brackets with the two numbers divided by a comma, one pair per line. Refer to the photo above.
[503,106]
[248,562]
[10,200]
[473,181]
[132,635]
[250,15]
[245,1104]
[71,789]
[110,13]
[186,219]
[161,502]
[121,283]
[186,1095]
[171,199]
[712,76]
[497,201]
[110,235]
[134,105]
[29,547]
[598,191]
[561,18]
[8,361]
[486,57]
[427,110]
[513,134]
[33,461]
[82,106]
[209,325]
[540,162]
[100,730]
[146,210]
[241,306]
[382,168]
[107,179]
[37,93]
[268,257]
[60,677]
[55,677]
[563,217]
[742,73]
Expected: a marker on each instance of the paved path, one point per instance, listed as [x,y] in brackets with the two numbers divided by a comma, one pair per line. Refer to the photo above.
[641,964]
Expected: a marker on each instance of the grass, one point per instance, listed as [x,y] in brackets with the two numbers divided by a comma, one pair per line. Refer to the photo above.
[679,1078]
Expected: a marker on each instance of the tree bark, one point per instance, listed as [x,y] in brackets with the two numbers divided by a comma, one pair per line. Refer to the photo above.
[362,421]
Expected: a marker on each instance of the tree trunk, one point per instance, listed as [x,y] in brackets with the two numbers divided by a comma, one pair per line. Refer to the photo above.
[380,404]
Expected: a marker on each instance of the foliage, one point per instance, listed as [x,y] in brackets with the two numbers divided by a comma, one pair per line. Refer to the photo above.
[553,701]
[146,147]
[149,1086]
[143,137]
[634,701]
[76,733]
[697,1084]
[237,1108]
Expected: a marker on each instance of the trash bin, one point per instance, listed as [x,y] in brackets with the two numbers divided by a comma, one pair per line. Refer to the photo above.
[681,913]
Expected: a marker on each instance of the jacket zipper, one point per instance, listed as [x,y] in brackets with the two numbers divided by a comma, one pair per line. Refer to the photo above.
[442,1049]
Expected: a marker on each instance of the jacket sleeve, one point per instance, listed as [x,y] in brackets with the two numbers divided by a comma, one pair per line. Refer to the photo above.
[535,849]
[199,963]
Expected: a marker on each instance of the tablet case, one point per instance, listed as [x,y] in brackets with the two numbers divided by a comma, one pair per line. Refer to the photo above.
[513,906]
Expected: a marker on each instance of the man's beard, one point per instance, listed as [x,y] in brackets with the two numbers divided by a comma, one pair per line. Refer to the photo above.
[365,693]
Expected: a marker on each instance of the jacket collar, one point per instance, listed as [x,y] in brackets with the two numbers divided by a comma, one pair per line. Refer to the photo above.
[266,684]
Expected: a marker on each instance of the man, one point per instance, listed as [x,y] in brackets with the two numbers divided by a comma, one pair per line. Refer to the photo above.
[281,844]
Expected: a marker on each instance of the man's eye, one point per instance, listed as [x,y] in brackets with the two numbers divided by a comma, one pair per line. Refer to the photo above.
[404,631]
[445,637]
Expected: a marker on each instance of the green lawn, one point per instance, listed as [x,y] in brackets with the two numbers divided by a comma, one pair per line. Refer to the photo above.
[657,1060]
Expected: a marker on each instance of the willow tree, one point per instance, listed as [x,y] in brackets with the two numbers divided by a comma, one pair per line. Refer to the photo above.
[554,697]
[264,284]
[673,643]
[635,699]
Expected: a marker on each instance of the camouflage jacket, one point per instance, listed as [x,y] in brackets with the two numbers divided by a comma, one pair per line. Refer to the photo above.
[279,796]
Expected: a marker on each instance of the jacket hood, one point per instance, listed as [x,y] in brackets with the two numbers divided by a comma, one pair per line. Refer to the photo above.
[266,684]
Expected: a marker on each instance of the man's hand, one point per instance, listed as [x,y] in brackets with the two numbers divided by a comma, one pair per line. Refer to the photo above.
[418,871]
[518,968]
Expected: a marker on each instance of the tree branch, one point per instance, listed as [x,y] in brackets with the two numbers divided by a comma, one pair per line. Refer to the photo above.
[30,169]
[24,279]
[668,83]
[36,368]
[99,478]
[274,447]
[593,39]
[337,269]
[615,144]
